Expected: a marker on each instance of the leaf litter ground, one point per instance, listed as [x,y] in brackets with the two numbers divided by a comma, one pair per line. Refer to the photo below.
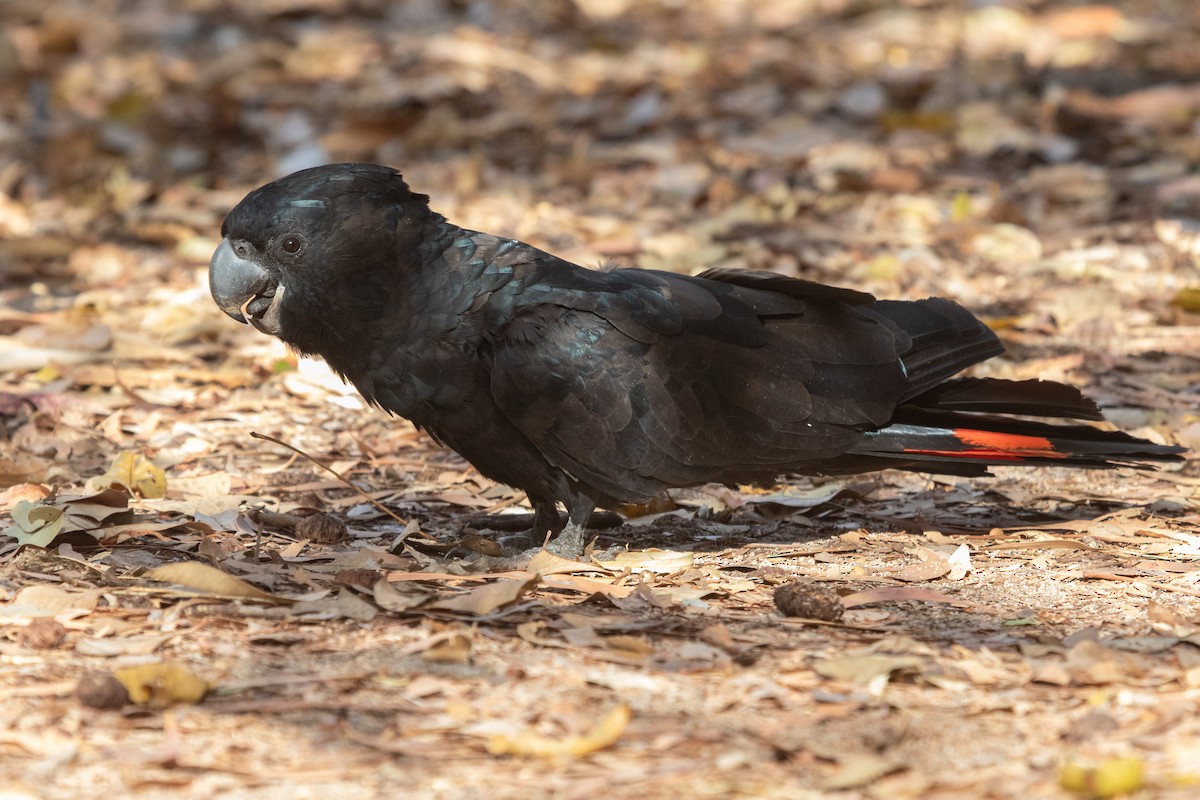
[1032,635]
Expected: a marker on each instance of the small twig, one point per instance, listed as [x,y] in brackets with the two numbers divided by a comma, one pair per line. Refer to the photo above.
[332,472]
[133,395]
[274,518]
[1093,575]
[258,529]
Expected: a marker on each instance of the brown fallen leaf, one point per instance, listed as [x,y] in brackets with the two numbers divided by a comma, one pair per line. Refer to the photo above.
[209,580]
[527,743]
[864,668]
[546,563]
[17,468]
[894,594]
[486,599]
[343,605]
[30,492]
[41,600]
[1049,544]
[588,586]
[111,646]
[393,598]
[454,650]
[663,562]
[934,565]
[859,769]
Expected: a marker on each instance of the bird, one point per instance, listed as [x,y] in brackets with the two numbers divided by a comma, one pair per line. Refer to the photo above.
[601,387]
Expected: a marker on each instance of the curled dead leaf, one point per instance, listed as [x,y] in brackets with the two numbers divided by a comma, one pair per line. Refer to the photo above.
[1116,776]
[527,743]
[162,685]
[864,668]
[455,649]
[136,473]
[486,599]
[41,600]
[859,769]
[208,580]
[663,562]
[35,523]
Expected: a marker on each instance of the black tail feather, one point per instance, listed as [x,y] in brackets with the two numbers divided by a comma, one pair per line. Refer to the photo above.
[992,395]
[948,430]
[946,339]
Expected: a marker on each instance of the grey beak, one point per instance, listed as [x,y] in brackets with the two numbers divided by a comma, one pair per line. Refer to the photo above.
[233,281]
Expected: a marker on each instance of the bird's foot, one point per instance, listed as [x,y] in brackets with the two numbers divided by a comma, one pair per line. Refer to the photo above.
[569,543]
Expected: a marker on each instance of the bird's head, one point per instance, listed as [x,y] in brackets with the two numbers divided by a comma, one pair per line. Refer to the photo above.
[315,250]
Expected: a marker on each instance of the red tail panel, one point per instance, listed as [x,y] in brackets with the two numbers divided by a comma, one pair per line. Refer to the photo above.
[995,446]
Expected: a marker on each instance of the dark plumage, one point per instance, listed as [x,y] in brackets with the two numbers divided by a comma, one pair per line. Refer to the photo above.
[602,387]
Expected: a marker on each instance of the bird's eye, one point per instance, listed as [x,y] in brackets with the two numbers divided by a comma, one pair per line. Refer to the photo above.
[291,244]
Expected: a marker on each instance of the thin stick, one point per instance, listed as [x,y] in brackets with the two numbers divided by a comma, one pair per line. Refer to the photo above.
[1092,575]
[332,472]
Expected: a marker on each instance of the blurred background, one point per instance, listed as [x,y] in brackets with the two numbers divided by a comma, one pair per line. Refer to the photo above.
[852,140]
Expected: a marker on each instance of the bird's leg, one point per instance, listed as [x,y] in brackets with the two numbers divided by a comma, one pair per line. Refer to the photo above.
[545,518]
[546,522]
[570,541]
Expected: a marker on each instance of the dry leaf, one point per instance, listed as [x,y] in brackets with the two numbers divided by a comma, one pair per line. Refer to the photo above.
[588,586]
[486,599]
[208,580]
[393,598]
[932,565]
[454,650]
[1116,776]
[41,600]
[31,492]
[960,563]
[663,562]
[35,523]
[135,472]
[527,743]
[546,563]
[162,685]
[17,468]
[864,668]
[894,594]
[343,605]
[111,646]
[859,769]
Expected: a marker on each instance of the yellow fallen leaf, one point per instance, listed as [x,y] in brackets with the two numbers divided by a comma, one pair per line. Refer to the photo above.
[162,685]
[135,472]
[1187,298]
[527,743]
[209,580]
[1108,779]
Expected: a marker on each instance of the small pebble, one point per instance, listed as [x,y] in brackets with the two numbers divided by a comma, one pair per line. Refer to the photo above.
[42,634]
[809,600]
[101,690]
[322,529]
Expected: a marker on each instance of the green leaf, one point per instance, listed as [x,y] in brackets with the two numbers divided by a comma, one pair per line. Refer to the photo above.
[36,523]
